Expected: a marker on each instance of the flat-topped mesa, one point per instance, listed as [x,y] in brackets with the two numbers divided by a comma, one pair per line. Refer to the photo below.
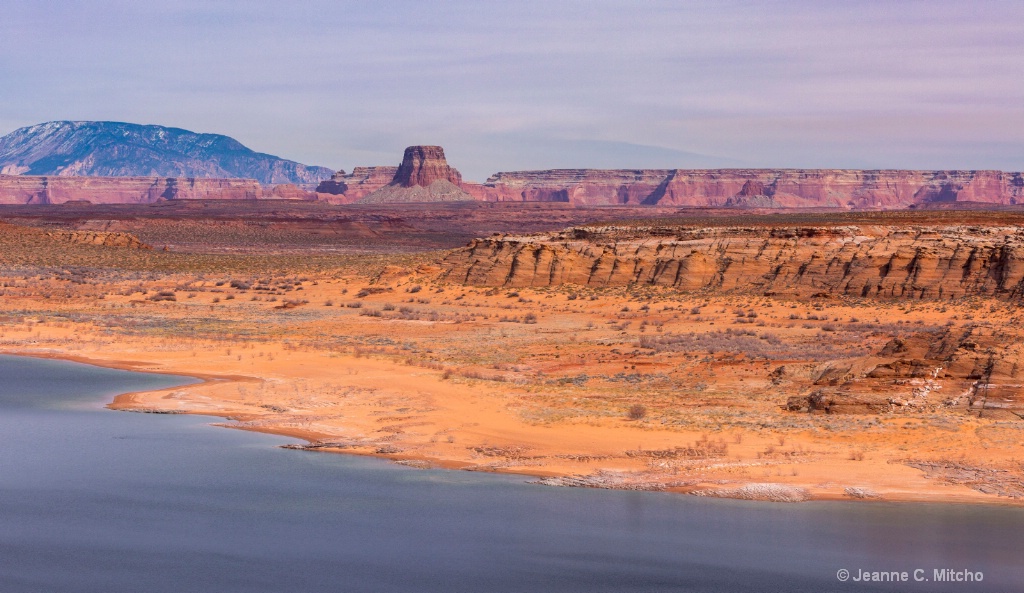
[423,165]
[423,176]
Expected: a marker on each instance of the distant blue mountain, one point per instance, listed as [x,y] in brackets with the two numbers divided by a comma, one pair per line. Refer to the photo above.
[115,149]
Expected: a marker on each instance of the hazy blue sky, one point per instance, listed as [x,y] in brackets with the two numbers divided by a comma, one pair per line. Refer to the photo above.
[539,84]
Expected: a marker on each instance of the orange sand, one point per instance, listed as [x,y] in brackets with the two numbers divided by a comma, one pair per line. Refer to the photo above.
[451,384]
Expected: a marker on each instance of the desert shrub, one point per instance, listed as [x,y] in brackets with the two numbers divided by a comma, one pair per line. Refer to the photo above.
[291,303]
[637,412]
[370,290]
[164,295]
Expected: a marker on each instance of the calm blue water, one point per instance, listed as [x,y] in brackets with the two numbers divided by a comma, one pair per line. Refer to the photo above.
[96,500]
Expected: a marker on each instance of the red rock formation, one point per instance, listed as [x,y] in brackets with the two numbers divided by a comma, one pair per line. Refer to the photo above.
[353,186]
[891,261]
[423,176]
[423,165]
[19,189]
[974,369]
[288,191]
[576,186]
[99,238]
[777,188]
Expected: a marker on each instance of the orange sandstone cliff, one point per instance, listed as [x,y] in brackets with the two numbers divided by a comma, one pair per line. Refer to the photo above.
[971,366]
[890,261]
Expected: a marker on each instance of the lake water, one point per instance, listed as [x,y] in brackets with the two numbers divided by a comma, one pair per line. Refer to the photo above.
[96,500]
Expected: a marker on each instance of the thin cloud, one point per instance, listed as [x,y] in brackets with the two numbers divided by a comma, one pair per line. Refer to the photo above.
[558,84]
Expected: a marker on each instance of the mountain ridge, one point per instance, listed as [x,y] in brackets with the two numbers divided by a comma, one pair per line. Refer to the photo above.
[120,149]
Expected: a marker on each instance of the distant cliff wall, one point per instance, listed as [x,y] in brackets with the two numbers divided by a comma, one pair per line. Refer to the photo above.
[24,189]
[848,189]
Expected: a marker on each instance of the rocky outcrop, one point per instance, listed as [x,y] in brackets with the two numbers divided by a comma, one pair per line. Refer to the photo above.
[116,149]
[423,165]
[856,260]
[99,238]
[976,369]
[362,181]
[23,189]
[423,176]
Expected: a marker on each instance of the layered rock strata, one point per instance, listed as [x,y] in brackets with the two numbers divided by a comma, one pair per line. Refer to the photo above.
[423,176]
[977,370]
[974,367]
[423,165]
[23,189]
[362,181]
[847,189]
[857,261]
[99,238]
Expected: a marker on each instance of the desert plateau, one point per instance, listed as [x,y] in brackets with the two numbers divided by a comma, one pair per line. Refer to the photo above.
[762,354]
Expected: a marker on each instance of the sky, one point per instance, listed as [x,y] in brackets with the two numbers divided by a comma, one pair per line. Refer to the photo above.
[542,84]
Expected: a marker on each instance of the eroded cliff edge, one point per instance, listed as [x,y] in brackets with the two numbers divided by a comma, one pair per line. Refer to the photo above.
[891,261]
[962,364]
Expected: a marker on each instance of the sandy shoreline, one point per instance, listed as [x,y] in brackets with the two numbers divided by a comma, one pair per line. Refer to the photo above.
[150,401]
